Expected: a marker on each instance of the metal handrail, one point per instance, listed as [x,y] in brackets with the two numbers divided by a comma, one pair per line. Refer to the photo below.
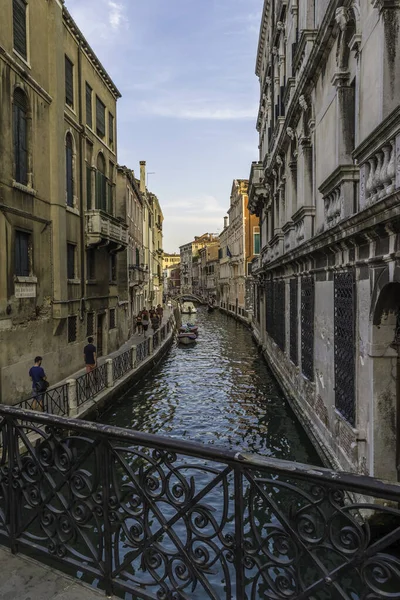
[115,501]
[54,401]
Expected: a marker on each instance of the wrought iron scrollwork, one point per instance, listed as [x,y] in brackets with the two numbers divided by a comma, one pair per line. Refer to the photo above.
[163,519]
[307,327]
[345,352]
[122,364]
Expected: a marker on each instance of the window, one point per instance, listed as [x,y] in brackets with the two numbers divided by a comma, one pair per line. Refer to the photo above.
[22,254]
[72,326]
[137,257]
[19,27]
[90,323]
[101,184]
[112,318]
[69,82]
[89,116]
[256,241]
[100,118]
[110,129]
[88,187]
[90,265]
[20,136]
[69,169]
[113,267]
[70,261]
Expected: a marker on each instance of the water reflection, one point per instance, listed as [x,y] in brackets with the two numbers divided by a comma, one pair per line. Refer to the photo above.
[218,391]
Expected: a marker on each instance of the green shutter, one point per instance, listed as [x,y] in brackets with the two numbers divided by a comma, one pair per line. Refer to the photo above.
[100,118]
[20,138]
[69,172]
[88,188]
[256,243]
[110,129]
[19,27]
[89,118]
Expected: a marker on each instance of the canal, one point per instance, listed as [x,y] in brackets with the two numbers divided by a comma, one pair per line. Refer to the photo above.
[219,391]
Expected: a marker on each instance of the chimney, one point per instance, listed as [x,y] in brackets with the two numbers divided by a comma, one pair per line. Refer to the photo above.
[225,222]
[143,176]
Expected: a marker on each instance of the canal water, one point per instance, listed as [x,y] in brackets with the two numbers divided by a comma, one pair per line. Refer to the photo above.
[218,391]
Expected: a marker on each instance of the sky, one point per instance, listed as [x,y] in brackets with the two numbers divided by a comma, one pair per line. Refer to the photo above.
[185,69]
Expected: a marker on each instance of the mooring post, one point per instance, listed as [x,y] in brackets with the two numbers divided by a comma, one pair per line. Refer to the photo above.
[110,375]
[72,398]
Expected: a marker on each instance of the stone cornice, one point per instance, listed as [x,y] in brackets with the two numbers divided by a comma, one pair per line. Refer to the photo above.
[262,36]
[342,173]
[304,211]
[385,4]
[25,76]
[387,129]
[382,212]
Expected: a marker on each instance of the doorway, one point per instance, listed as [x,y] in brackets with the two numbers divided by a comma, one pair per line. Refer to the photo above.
[100,326]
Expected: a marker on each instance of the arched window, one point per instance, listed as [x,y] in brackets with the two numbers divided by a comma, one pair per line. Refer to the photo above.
[69,169]
[20,136]
[101,183]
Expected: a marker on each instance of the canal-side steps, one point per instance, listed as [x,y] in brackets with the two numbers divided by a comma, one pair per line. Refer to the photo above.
[87,394]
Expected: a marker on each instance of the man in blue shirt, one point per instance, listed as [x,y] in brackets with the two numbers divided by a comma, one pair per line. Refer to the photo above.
[38,376]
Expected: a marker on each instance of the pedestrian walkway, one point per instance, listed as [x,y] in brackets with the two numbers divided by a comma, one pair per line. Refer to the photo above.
[134,340]
[26,579]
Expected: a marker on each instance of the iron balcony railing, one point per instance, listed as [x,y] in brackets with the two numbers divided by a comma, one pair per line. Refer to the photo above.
[53,401]
[122,364]
[91,384]
[159,518]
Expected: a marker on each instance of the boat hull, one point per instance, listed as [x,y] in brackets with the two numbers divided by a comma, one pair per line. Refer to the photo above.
[187,338]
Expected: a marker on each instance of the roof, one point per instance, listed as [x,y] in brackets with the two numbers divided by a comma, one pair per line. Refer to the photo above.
[132,179]
[262,36]
[90,53]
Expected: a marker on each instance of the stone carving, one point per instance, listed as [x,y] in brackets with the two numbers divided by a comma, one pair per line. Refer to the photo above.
[303,103]
[397,162]
[290,133]
[280,26]
[342,17]
[300,231]
[333,204]
[382,175]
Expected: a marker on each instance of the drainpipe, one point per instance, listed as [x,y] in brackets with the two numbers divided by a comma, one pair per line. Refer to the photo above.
[82,168]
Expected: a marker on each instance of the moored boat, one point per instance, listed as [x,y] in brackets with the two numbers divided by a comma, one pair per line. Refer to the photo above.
[188,308]
[187,338]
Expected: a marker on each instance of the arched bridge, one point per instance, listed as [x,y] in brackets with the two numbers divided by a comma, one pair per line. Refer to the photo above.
[190,298]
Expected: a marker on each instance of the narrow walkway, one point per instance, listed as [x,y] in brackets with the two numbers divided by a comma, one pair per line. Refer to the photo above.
[25,579]
[134,340]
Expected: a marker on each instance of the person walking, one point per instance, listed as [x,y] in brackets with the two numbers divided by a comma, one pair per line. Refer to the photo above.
[139,323]
[39,383]
[145,321]
[160,312]
[90,356]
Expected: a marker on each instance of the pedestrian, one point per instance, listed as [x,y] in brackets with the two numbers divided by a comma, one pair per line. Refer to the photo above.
[160,312]
[145,321]
[151,313]
[90,356]
[139,323]
[39,383]
[155,322]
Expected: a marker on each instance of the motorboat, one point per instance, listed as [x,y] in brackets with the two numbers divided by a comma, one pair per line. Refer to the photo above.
[210,307]
[187,337]
[189,328]
[188,308]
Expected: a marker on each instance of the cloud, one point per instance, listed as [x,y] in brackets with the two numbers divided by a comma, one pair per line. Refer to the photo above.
[116,16]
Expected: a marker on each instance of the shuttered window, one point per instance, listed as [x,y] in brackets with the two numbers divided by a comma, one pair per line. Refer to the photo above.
[89,116]
[19,27]
[69,170]
[101,184]
[70,261]
[22,262]
[88,187]
[100,118]
[110,129]
[69,82]
[20,137]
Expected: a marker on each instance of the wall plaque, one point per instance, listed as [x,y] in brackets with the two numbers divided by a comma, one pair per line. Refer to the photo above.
[25,290]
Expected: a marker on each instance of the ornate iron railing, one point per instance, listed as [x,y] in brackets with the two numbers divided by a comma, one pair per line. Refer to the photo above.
[269,307]
[141,351]
[345,342]
[91,384]
[163,333]
[53,401]
[156,340]
[294,323]
[307,327]
[160,518]
[122,363]
[280,314]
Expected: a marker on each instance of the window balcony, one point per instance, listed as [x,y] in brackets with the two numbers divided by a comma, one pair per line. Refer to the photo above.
[103,229]
[138,275]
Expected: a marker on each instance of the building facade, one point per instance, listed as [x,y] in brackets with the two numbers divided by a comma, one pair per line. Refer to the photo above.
[327,190]
[239,245]
[189,258]
[170,263]
[61,242]
[209,271]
